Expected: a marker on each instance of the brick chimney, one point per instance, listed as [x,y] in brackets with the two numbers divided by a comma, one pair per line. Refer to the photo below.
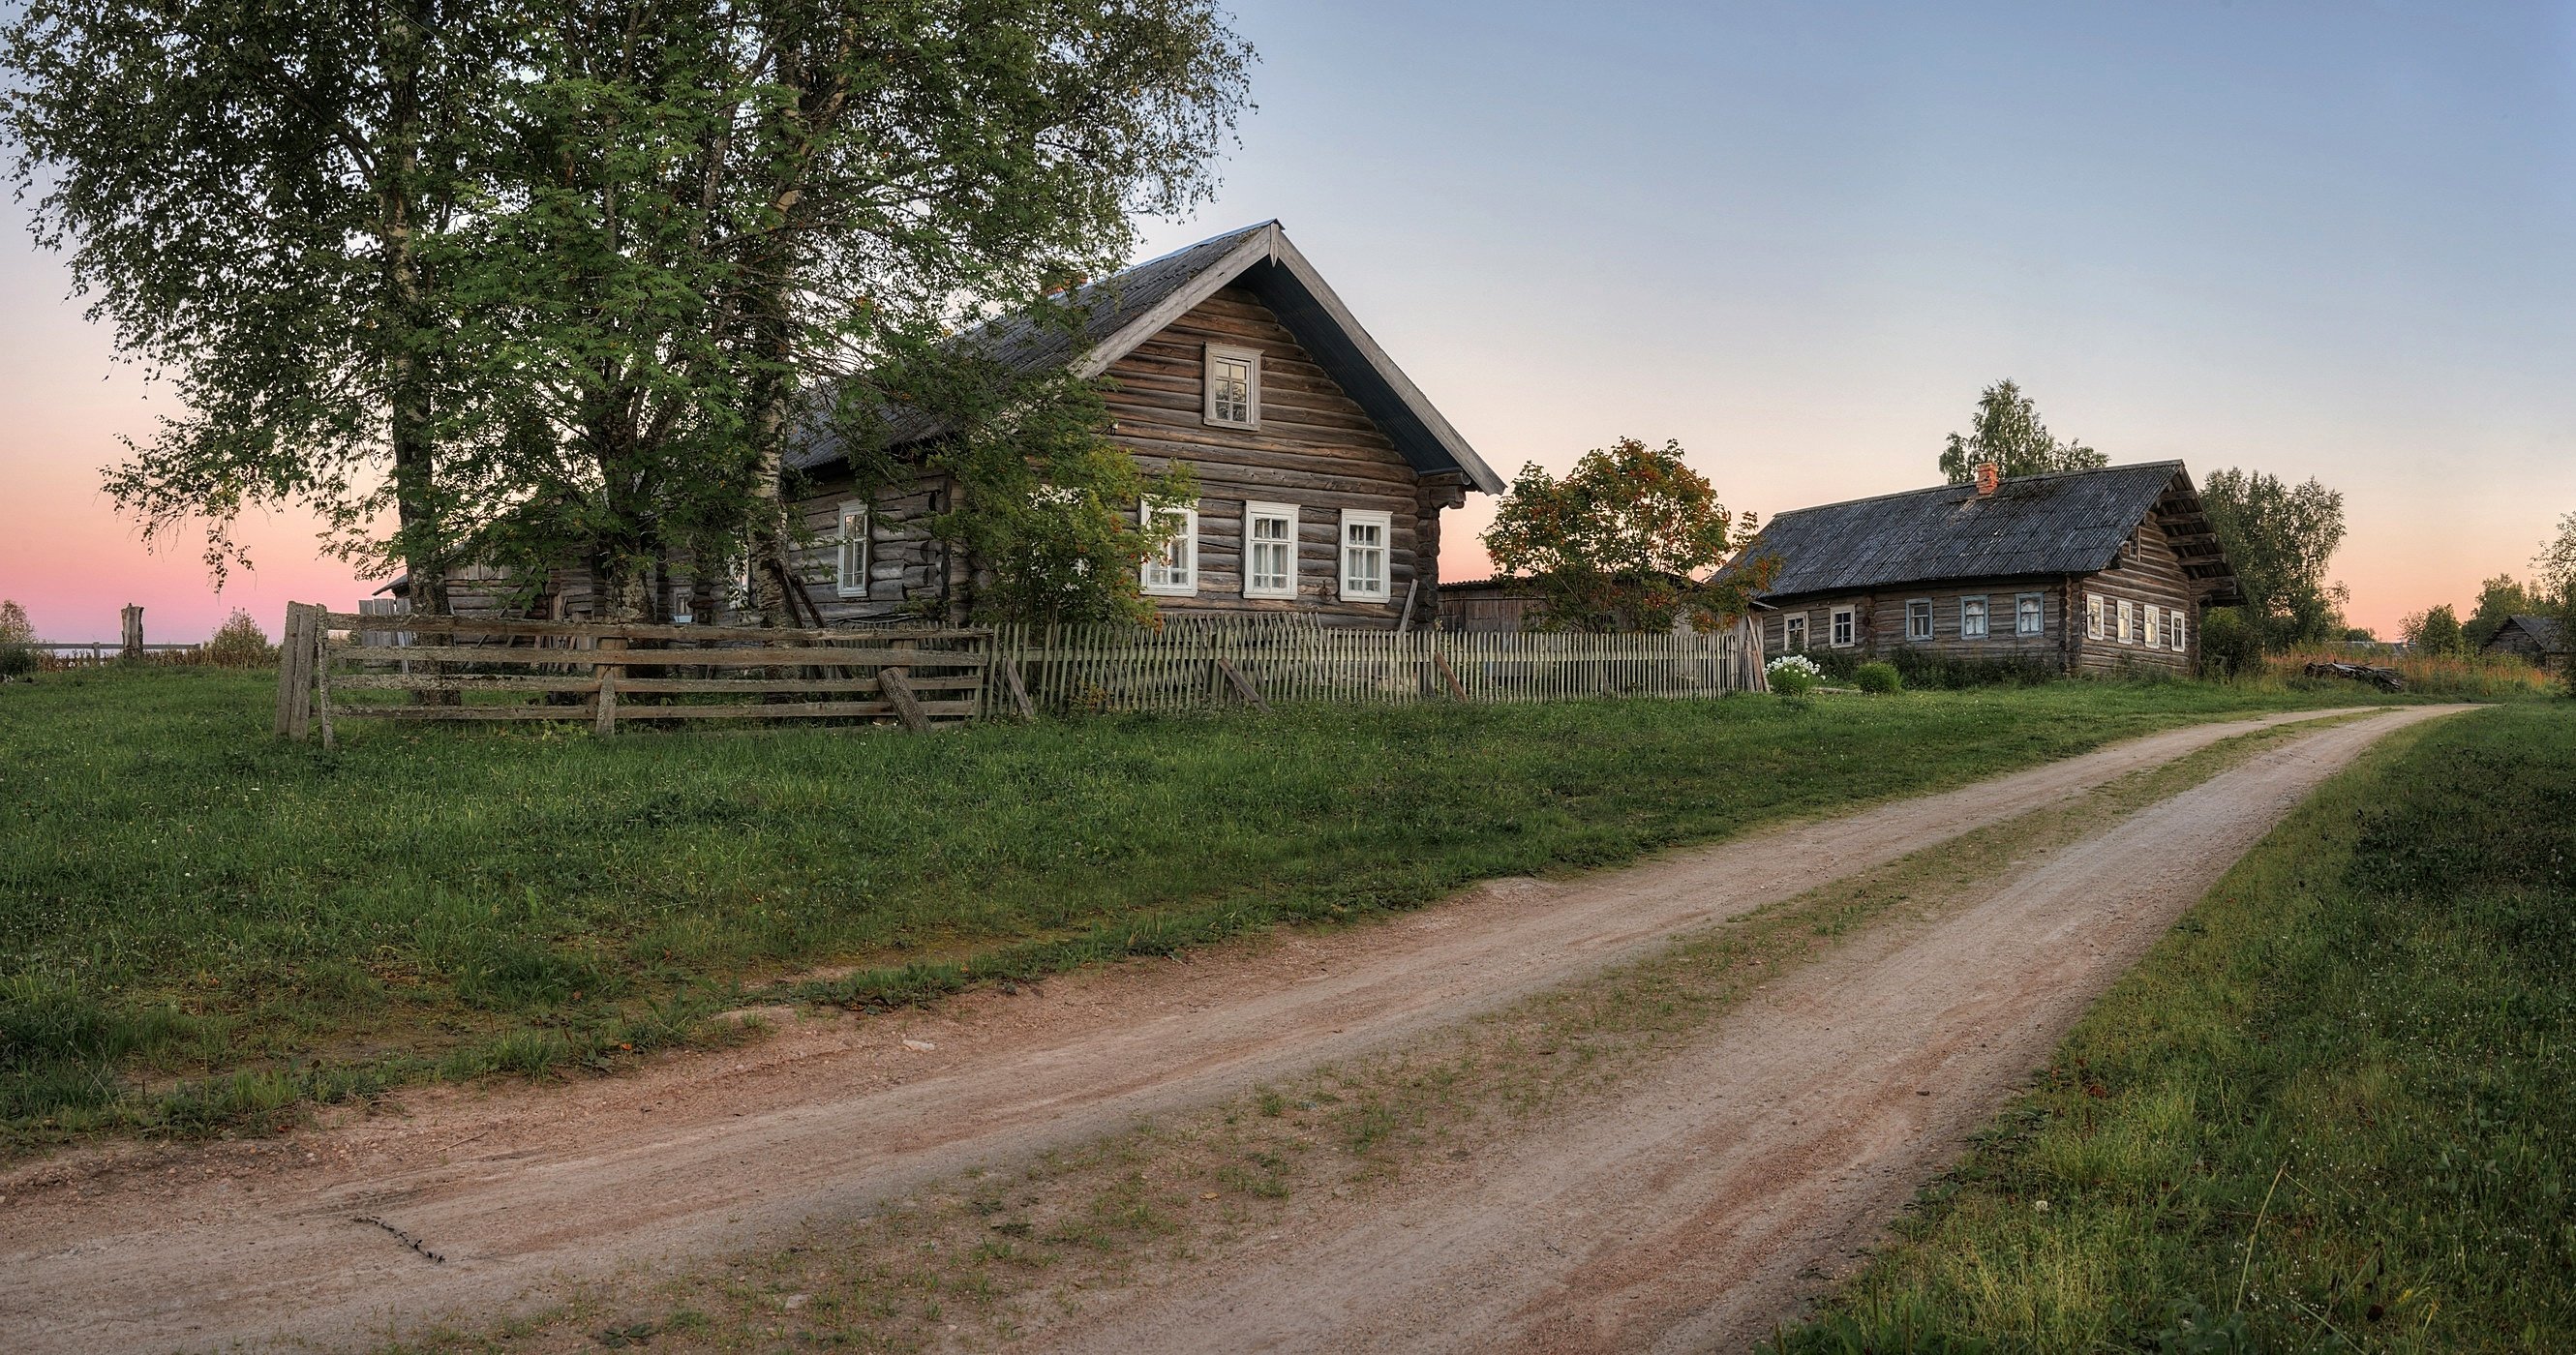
[1989,475]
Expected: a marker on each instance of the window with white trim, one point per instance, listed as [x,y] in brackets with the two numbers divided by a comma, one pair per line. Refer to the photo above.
[1366,538]
[1793,633]
[1233,395]
[2151,626]
[1270,550]
[2092,616]
[2181,632]
[1972,618]
[2028,615]
[1918,619]
[1172,570]
[850,569]
[1846,623]
[2128,623]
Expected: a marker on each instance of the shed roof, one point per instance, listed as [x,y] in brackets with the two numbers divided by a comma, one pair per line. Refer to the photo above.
[1113,316]
[2543,631]
[2070,522]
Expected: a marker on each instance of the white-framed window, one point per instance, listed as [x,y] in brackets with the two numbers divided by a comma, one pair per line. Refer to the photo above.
[1270,550]
[850,568]
[1918,619]
[1173,569]
[2151,625]
[1846,623]
[2028,614]
[2181,630]
[1793,632]
[2128,622]
[1366,538]
[1233,396]
[2092,616]
[1972,618]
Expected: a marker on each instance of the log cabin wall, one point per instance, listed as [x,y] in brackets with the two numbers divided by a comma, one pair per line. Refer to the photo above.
[1879,620]
[2148,573]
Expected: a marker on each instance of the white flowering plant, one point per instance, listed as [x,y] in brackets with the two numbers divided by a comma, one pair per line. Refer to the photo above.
[1793,674]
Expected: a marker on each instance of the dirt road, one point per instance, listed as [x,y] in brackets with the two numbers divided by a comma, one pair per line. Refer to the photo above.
[129,1248]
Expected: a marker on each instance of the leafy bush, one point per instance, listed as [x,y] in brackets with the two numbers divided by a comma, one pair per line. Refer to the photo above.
[2230,645]
[1793,674]
[16,661]
[1878,677]
[240,644]
[1930,669]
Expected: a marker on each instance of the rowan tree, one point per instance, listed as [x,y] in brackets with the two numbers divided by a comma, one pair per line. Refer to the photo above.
[1628,541]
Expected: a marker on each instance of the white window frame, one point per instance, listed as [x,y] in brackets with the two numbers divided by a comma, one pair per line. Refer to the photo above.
[2151,625]
[1984,613]
[2128,622]
[1918,609]
[1269,512]
[1843,627]
[1354,588]
[1251,360]
[2036,604]
[851,550]
[2181,630]
[1793,633]
[2092,616]
[1172,572]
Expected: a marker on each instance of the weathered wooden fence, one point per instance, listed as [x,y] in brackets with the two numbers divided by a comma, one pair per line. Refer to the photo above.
[335,666]
[1189,664]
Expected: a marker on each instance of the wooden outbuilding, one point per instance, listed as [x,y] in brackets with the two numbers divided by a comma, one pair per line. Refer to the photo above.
[2095,571]
[2537,639]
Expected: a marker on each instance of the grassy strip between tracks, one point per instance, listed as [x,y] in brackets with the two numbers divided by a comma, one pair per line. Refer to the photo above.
[1001,1254]
[2330,1112]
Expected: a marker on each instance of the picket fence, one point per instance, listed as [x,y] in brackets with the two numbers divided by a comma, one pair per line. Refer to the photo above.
[337,666]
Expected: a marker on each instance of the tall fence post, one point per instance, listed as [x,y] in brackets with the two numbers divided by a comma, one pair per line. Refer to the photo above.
[132,617]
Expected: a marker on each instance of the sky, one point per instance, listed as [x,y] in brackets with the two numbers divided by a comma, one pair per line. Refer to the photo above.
[2328,240]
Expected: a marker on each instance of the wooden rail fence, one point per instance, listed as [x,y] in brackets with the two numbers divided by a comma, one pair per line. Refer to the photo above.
[336,666]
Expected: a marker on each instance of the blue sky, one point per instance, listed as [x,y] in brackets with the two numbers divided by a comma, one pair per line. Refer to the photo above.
[2329,240]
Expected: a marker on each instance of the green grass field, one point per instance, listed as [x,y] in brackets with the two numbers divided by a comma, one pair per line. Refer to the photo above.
[202,926]
[2332,1111]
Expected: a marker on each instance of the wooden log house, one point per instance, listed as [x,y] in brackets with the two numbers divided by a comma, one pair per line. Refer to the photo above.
[1322,469]
[2080,572]
[2536,639]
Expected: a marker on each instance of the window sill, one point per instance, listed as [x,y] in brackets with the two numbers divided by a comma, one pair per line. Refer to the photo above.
[1253,426]
[1168,591]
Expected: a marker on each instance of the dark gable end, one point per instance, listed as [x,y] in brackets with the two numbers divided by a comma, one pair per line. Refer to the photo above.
[2073,522]
[1117,314]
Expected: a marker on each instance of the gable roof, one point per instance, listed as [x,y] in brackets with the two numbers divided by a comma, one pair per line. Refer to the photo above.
[2070,522]
[1116,315]
[2543,631]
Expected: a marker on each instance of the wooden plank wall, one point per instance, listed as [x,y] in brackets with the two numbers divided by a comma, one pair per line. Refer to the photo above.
[2151,574]
[1880,620]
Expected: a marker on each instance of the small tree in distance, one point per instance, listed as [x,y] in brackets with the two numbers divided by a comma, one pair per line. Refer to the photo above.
[2434,632]
[1625,542]
[2007,432]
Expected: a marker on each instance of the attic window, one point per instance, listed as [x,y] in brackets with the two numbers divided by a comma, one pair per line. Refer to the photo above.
[1233,387]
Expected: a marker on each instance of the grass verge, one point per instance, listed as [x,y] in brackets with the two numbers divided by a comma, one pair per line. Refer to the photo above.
[2329,1112]
[202,928]
[995,1256]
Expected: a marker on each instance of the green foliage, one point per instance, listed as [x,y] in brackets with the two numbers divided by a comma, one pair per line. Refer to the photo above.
[239,643]
[2366,1022]
[1878,677]
[1792,680]
[2556,563]
[16,660]
[558,281]
[2279,538]
[160,852]
[2230,645]
[1933,669]
[1623,541]
[2434,633]
[15,629]
[2006,431]
[2499,599]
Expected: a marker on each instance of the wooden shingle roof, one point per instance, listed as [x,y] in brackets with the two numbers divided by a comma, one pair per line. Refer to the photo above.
[2543,631]
[2072,522]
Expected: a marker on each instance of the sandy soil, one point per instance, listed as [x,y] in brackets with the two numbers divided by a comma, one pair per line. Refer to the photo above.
[1790,1138]
[1718,1192]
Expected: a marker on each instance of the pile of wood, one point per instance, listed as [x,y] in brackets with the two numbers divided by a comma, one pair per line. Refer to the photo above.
[2385,679]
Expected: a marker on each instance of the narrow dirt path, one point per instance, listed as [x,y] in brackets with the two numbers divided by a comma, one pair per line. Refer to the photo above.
[1699,1208]
[366,1226]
